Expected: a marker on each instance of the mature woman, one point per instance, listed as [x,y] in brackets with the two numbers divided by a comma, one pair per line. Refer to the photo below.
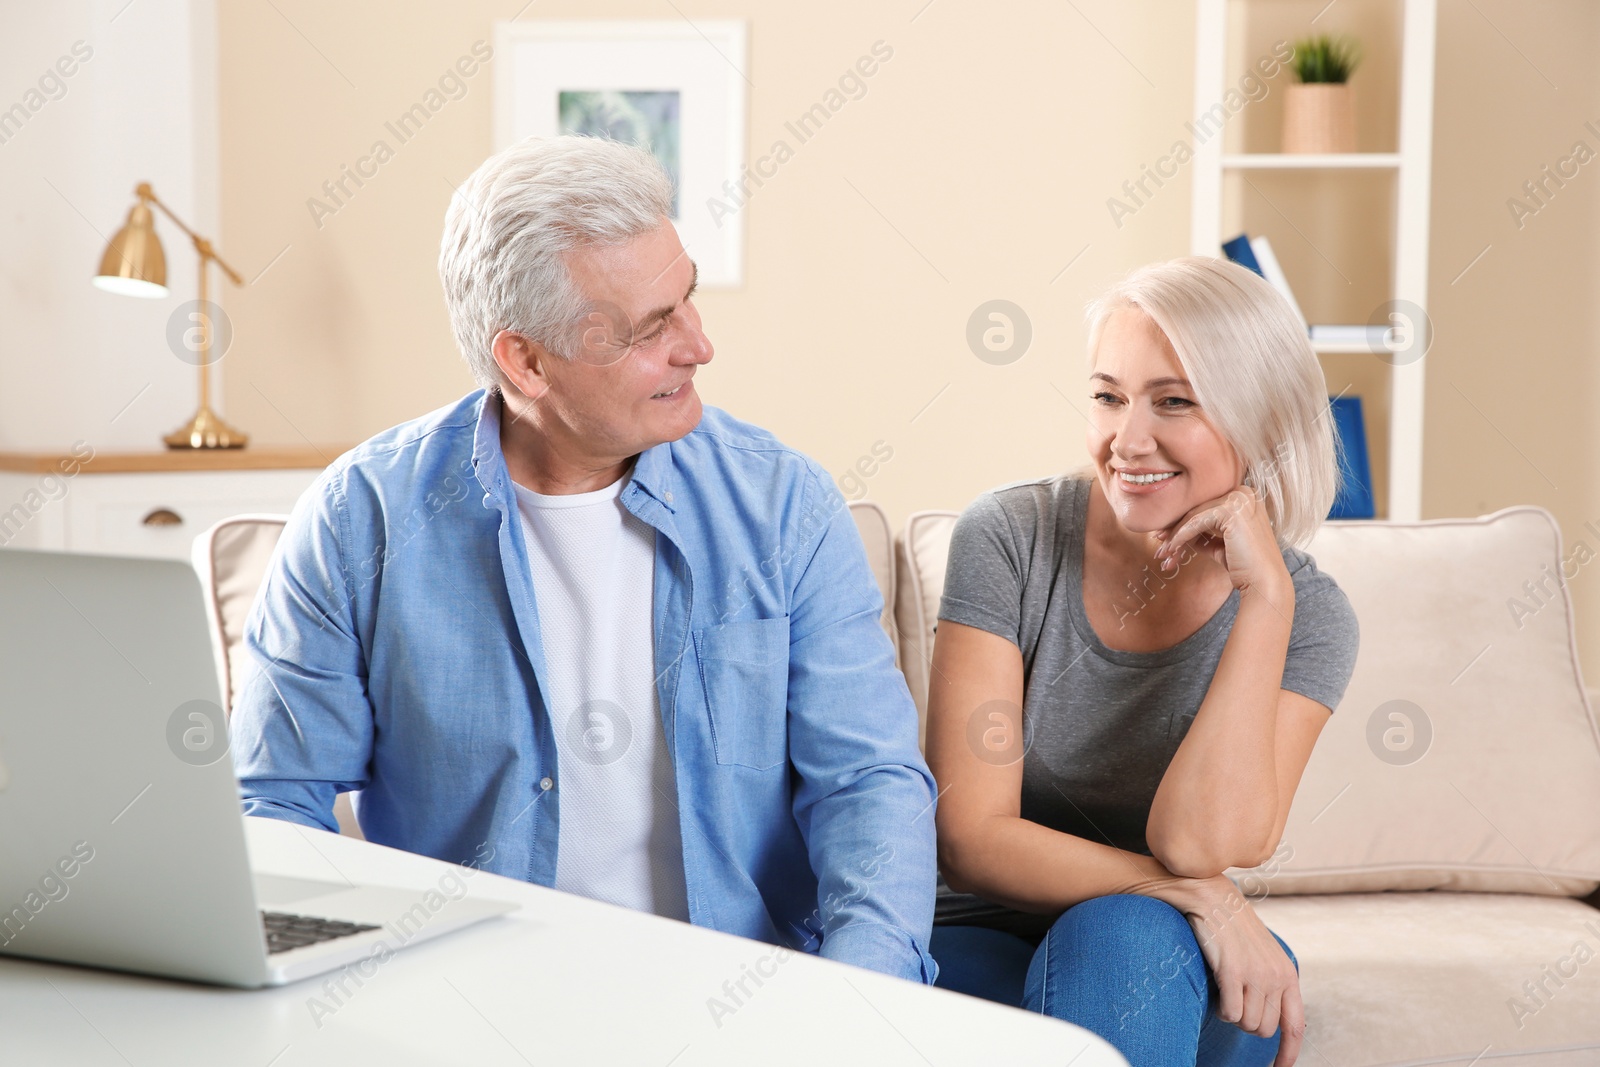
[1132,665]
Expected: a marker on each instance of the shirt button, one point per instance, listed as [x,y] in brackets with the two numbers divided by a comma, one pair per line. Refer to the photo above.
[545,783]
[669,497]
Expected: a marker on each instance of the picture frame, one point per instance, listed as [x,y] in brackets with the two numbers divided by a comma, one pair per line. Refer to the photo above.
[679,86]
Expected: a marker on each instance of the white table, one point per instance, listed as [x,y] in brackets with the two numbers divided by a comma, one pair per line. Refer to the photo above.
[564,980]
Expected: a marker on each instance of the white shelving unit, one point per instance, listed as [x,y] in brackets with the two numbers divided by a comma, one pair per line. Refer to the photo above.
[1413,170]
[1340,161]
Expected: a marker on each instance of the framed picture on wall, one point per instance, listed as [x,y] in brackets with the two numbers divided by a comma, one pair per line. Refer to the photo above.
[673,87]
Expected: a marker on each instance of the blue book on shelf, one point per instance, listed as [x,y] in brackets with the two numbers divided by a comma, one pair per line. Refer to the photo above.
[1355,470]
[1240,252]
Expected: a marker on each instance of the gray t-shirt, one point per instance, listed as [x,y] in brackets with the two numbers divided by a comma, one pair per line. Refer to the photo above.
[1103,724]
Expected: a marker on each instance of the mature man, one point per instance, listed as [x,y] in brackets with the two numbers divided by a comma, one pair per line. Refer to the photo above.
[578,630]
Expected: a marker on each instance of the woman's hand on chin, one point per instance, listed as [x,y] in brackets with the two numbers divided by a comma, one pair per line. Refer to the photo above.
[1235,531]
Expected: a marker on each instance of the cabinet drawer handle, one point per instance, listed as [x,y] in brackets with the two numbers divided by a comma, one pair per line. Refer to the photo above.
[163,517]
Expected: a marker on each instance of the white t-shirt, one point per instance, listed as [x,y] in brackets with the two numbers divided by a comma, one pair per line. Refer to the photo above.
[593,567]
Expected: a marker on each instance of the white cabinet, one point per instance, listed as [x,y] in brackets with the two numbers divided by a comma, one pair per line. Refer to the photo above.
[151,505]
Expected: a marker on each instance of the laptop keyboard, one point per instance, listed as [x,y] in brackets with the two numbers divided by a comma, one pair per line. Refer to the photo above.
[286,932]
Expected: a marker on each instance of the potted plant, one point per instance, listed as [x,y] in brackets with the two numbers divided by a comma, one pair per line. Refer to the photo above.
[1319,113]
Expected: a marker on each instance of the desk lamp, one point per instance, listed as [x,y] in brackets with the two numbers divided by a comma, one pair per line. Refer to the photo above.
[135,265]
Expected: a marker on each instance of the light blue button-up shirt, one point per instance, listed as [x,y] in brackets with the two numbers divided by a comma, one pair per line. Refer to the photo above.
[395,650]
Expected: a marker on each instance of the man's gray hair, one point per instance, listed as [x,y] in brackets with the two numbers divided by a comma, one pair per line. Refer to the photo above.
[509,225]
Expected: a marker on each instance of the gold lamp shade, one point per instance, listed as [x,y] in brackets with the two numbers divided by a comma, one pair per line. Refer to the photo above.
[134,264]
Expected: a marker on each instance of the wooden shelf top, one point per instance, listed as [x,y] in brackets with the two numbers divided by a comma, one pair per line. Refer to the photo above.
[218,459]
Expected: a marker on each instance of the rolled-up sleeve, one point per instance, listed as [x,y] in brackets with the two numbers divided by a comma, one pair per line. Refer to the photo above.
[864,799]
[301,730]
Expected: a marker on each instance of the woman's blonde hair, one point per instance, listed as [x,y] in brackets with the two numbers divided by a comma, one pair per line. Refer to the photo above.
[1248,358]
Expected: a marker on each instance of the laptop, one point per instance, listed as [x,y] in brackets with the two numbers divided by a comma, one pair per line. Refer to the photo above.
[122,843]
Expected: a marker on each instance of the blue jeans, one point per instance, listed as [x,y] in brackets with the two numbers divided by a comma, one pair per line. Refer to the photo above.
[1125,967]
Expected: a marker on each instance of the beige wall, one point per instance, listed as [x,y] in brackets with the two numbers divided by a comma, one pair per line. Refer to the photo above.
[844,328]
[990,142]
[1512,381]
[78,364]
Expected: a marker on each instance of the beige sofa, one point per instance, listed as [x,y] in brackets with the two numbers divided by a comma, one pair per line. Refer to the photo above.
[1450,814]
[1432,861]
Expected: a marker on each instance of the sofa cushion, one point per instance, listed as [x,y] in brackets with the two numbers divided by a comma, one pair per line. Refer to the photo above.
[921,552]
[873,526]
[1464,754]
[1444,978]
[231,558]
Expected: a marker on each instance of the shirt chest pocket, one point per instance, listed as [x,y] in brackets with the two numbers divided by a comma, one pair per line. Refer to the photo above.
[744,668]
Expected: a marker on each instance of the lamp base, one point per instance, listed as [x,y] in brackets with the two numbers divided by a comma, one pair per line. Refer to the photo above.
[206,430]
